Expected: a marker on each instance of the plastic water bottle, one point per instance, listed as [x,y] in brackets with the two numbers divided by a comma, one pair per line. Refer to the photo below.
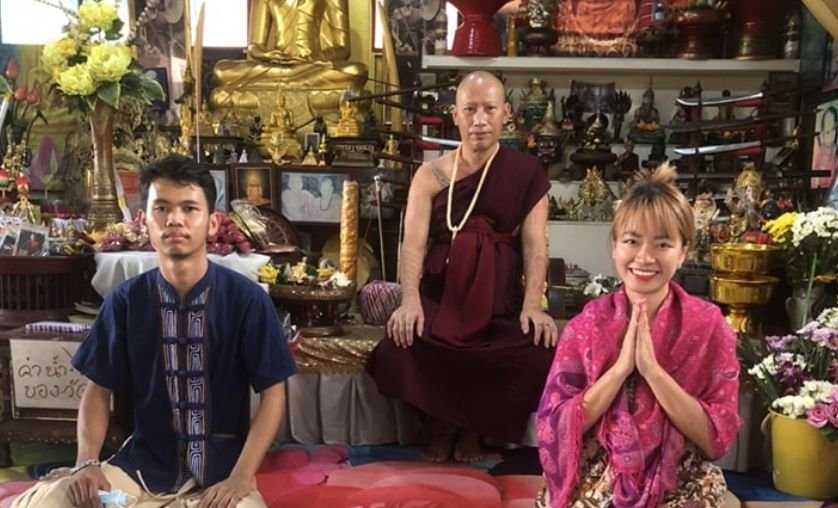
[114,497]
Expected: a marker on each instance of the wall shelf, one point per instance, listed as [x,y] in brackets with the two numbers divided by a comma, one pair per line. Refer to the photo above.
[644,66]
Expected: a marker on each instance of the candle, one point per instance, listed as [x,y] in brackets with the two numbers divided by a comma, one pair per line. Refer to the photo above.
[348,262]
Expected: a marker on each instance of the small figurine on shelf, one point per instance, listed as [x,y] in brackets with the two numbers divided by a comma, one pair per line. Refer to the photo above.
[628,161]
[348,125]
[743,201]
[24,208]
[534,103]
[595,198]
[391,147]
[548,141]
[705,212]
[620,103]
[646,127]
[596,135]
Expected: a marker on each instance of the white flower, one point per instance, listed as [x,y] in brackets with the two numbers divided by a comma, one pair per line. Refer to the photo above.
[339,279]
[593,289]
[794,406]
[818,391]
[829,318]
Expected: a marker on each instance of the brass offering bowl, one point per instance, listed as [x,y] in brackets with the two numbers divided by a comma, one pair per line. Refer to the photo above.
[739,294]
[315,310]
[740,281]
[743,258]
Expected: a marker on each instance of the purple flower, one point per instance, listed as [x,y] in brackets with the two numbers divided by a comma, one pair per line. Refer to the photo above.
[791,378]
[777,343]
[818,415]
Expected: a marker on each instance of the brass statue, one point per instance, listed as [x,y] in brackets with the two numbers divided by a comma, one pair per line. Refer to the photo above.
[299,43]
[348,125]
[595,199]
[596,136]
[281,130]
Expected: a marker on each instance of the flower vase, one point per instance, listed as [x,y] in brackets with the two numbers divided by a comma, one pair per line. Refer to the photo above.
[104,207]
[801,309]
[805,461]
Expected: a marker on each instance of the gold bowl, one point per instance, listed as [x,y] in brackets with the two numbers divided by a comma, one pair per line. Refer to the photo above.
[756,290]
[294,292]
[744,258]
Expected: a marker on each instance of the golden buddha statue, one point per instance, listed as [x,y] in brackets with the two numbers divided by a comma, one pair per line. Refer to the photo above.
[280,131]
[299,43]
[348,125]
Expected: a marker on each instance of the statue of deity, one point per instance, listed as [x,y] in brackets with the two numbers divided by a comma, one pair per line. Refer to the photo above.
[348,125]
[280,129]
[744,200]
[299,43]
[646,127]
[596,136]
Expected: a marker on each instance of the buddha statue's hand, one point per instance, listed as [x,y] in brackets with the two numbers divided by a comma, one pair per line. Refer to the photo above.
[277,56]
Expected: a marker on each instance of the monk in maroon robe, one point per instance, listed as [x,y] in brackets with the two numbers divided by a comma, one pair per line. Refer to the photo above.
[470,345]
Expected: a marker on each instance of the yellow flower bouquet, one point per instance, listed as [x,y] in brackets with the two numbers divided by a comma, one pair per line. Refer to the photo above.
[810,244]
[91,62]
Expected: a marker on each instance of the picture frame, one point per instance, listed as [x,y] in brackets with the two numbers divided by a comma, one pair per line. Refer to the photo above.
[314,198]
[825,144]
[8,243]
[831,199]
[32,241]
[255,183]
[222,203]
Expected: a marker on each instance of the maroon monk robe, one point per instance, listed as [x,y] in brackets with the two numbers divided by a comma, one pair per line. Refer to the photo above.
[473,367]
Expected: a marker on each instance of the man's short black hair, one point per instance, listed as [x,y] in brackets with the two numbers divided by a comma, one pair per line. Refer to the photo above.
[180,169]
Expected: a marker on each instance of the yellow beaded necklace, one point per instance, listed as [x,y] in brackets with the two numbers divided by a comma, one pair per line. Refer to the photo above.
[451,227]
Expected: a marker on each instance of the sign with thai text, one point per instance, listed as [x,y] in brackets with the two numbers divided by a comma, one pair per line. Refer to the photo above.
[42,376]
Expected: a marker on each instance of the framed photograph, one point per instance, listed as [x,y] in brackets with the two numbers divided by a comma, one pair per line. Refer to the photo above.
[830,67]
[825,143]
[254,183]
[312,197]
[312,142]
[832,193]
[161,75]
[8,242]
[220,177]
[406,25]
[32,241]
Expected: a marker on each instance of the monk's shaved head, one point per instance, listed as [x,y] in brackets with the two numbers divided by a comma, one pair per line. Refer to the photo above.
[480,111]
[483,79]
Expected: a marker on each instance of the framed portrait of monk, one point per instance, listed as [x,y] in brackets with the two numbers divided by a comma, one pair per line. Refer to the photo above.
[254,183]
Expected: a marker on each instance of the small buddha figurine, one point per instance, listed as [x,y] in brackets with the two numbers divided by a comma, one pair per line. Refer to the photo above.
[628,161]
[301,44]
[281,129]
[646,127]
[391,147]
[596,136]
[348,125]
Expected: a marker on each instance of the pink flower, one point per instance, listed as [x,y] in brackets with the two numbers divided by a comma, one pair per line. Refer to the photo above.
[832,413]
[818,416]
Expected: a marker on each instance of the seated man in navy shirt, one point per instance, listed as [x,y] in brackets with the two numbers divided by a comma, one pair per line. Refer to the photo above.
[184,342]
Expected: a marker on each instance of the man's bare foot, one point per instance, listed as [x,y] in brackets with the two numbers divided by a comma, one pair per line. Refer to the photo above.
[468,448]
[439,449]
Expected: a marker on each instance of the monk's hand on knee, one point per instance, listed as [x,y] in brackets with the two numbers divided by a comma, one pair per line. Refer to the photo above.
[544,326]
[406,322]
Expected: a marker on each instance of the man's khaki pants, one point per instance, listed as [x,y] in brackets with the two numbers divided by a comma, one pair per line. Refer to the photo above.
[53,494]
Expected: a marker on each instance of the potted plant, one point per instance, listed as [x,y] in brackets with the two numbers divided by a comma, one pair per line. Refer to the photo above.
[797,376]
[809,243]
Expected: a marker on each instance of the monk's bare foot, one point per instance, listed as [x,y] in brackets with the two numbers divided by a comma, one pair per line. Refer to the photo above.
[468,448]
[439,449]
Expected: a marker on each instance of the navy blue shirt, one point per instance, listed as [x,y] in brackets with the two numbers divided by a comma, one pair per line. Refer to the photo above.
[187,366]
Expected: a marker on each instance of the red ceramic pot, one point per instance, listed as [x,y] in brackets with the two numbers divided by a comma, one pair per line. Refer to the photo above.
[757,25]
[477,36]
